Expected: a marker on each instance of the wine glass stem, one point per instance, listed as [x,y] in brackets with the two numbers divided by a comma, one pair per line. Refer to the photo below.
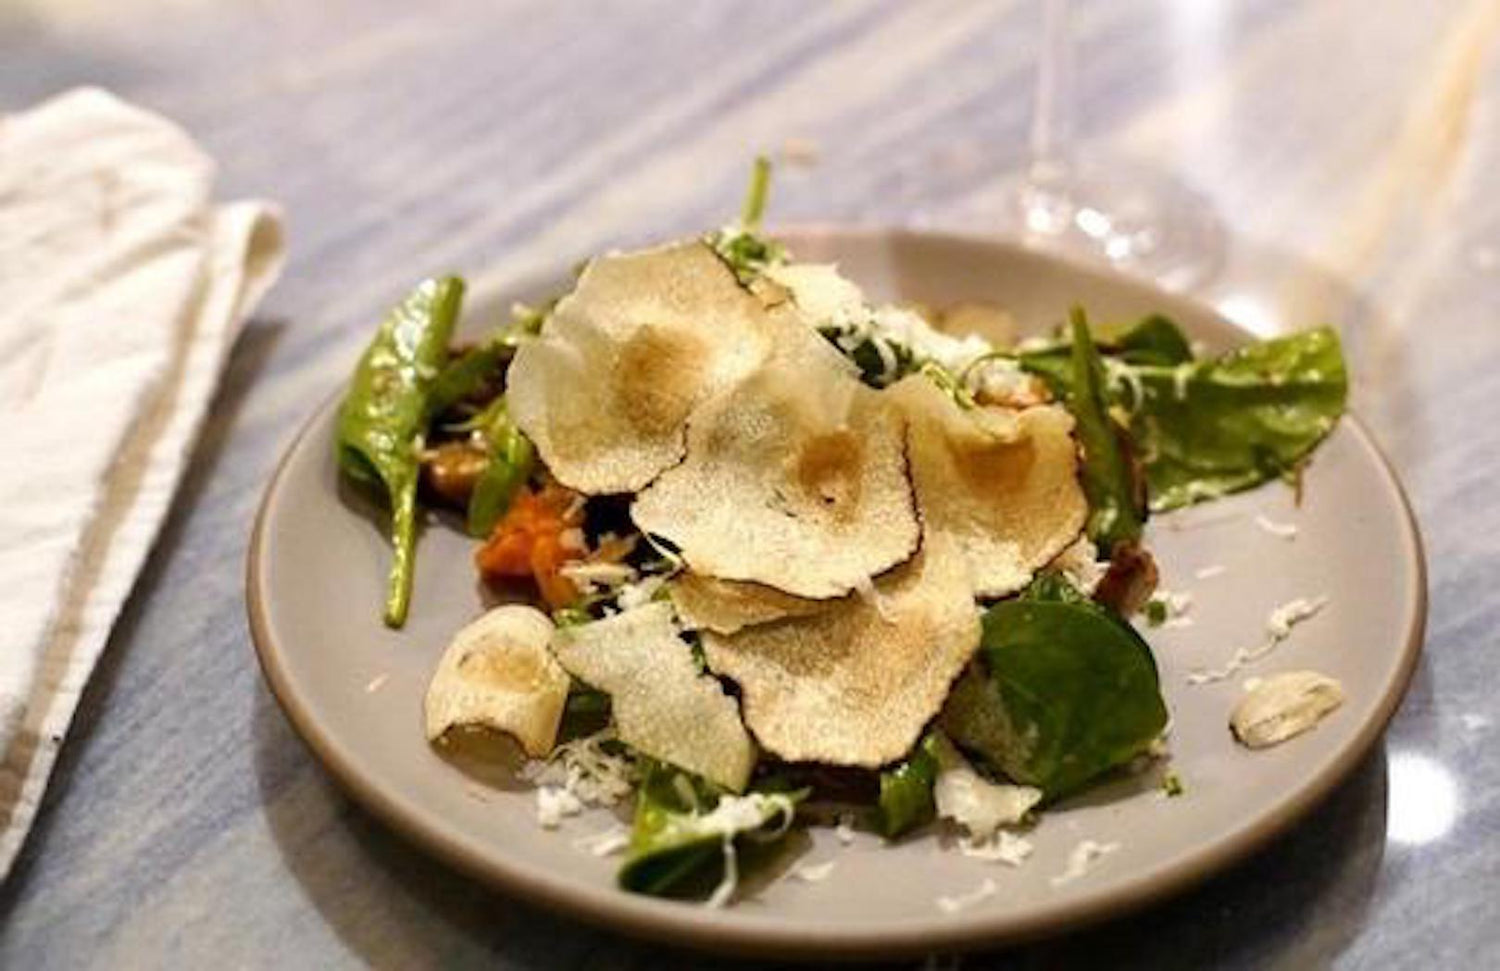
[1052,123]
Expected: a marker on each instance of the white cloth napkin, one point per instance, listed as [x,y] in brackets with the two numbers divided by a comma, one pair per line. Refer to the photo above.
[122,287]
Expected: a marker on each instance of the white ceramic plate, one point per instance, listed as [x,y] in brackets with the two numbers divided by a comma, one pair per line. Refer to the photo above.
[353,689]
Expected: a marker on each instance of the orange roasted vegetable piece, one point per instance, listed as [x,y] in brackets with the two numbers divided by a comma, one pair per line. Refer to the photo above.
[539,533]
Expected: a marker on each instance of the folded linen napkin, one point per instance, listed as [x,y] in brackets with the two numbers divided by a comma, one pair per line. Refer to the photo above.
[122,287]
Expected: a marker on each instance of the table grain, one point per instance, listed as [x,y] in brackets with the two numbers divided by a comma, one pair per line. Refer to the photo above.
[1351,148]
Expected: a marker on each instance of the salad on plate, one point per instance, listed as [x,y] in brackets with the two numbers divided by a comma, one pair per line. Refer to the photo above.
[766,554]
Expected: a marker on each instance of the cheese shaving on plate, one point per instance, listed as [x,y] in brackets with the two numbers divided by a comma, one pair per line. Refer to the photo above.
[1082,859]
[963,901]
[813,872]
[1286,531]
[1002,847]
[1279,626]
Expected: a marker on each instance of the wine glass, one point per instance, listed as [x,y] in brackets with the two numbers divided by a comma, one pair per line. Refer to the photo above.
[1136,219]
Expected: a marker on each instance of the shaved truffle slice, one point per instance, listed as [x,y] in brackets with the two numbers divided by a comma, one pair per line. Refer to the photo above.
[499,674]
[855,684]
[725,606]
[796,479]
[663,705]
[1002,484]
[605,391]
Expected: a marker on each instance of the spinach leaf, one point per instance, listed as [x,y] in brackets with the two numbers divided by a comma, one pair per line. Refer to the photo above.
[511,458]
[906,789]
[1116,508]
[384,415]
[683,825]
[1218,426]
[1152,340]
[1062,692]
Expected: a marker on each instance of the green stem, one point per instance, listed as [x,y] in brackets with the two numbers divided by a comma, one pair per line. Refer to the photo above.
[404,542]
[755,199]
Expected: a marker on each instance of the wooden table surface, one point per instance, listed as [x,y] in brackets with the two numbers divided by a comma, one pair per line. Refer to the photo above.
[1351,148]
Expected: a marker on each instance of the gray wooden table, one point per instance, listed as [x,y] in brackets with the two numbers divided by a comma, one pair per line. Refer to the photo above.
[1351,148]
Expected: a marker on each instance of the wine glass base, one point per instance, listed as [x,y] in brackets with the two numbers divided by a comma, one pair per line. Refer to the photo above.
[1134,219]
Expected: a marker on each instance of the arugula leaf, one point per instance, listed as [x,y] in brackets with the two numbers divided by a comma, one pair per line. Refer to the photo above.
[906,789]
[741,245]
[1063,691]
[683,825]
[384,415]
[511,458]
[1116,510]
[1218,426]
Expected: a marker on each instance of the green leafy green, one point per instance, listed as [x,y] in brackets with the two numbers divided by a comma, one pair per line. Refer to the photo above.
[1116,510]
[1213,427]
[466,376]
[383,417]
[1062,691]
[1052,585]
[482,367]
[906,789]
[742,246]
[1152,340]
[511,459]
[681,839]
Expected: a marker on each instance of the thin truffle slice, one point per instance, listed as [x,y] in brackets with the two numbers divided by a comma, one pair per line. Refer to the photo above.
[796,479]
[725,606]
[855,684]
[498,673]
[605,391]
[663,705]
[1002,484]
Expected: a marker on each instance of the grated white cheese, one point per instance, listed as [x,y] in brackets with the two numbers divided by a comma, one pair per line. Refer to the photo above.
[1001,381]
[377,682]
[813,872]
[604,843]
[904,326]
[592,576]
[1081,566]
[553,803]
[1279,626]
[584,770]
[1002,847]
[1281,621]
[640,593]
[844,830]
[980,806]
[1286,531]
[1208,572]
[732,816]
[1082,859]
[724,892]
[963,901]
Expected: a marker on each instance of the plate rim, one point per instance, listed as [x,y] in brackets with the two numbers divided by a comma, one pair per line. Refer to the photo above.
[689,925]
